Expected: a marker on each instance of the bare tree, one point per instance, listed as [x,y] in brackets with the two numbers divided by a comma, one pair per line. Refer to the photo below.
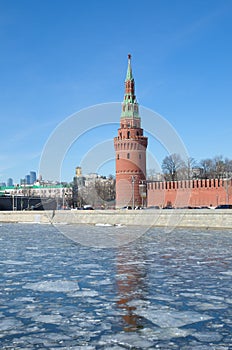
[207,168]
[219,167]
[191,163]
[173,167]
[228,167]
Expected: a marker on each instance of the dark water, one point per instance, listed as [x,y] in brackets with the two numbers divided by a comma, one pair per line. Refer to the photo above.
[161,291]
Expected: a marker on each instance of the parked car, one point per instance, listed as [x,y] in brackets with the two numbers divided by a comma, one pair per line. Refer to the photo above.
[153,207]
[168,207]
[138,207]
[224,206]
[87,207]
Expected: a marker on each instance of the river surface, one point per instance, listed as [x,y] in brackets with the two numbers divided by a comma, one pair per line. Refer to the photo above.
[164,290]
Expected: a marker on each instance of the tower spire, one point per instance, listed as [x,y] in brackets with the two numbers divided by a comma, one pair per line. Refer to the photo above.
[129,75]
[130,108]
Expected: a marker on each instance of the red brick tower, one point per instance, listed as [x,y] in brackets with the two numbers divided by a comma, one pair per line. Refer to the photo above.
[130,147]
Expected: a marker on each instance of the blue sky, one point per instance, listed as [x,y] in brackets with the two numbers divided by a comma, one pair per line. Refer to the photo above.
[58,57]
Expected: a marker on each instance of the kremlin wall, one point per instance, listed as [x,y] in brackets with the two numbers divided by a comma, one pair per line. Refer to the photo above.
[192,193]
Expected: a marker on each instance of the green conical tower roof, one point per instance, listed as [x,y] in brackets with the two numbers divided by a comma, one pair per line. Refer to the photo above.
[129,75]
[130,109]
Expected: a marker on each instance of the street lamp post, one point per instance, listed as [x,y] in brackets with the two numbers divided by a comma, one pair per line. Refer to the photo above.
[133,191]
[143,191]
[228,179]
[227,190]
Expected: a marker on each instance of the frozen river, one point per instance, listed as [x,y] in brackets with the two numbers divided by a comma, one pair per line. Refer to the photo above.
[161,291]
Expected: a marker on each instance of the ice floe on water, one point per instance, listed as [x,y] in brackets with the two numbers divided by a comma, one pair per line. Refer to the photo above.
[53,286]
[227,273]
[103,225]
[166,333]
[55,319]
[13,262]
[84,294]
[209,306]
[208,336]
[10,323]
[166,318]
[127,340]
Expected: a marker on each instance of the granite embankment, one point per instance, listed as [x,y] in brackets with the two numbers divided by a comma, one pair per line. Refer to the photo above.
[201,218]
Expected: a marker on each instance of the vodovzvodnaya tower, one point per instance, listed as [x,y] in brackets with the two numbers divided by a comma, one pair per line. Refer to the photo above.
[130,147]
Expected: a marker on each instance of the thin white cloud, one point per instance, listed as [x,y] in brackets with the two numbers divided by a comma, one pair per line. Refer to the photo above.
[181,37]
[34,128]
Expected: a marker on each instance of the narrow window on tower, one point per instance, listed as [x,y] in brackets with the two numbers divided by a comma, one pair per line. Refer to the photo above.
[140,157]
[118,156]
[128,134]
[128,155]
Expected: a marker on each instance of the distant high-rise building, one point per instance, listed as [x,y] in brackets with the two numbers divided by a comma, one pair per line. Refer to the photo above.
[23,181]
[2,184]
[27,180]
[10,182]
[32,177]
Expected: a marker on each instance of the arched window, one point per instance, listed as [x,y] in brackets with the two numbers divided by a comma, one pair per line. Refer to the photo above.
[128,155]
[128,134]
[118,156]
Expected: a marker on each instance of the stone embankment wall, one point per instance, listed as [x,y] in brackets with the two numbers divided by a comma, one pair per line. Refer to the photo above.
[203,218]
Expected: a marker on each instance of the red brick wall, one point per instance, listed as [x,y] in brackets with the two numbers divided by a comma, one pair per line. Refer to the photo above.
[190,193]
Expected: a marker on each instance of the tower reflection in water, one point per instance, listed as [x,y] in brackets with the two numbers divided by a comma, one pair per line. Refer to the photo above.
[130,280]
